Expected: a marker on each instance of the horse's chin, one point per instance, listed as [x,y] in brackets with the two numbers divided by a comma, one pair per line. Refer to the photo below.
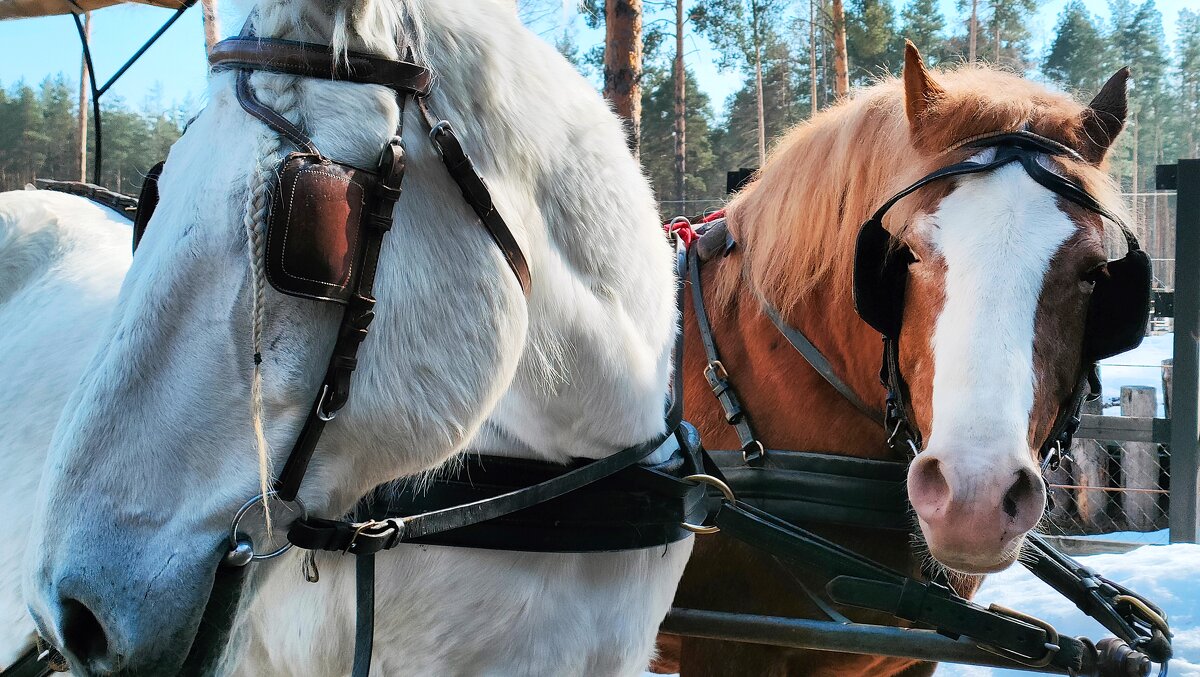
[977,563]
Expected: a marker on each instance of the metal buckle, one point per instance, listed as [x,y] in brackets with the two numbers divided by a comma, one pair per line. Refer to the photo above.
[395,524]
[1052,646]
[753,451]
[712,482]
[715,371]
[241,550]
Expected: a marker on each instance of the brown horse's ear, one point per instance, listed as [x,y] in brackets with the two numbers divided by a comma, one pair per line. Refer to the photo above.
[1105,117]
[920,91]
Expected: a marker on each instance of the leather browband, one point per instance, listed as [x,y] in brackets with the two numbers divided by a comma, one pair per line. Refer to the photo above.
[305,59]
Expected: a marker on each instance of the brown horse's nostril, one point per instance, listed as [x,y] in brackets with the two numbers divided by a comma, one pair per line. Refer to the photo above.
[1021,492]
[82,633]
[928,486]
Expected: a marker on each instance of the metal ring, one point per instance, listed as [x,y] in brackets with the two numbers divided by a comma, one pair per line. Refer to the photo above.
[1151,616]
[321,413]
[237,520]
[712,482]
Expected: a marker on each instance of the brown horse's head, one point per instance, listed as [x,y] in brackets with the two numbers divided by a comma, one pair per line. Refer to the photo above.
[994,313]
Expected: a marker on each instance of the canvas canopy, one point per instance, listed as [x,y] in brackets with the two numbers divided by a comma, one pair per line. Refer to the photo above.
[19,9]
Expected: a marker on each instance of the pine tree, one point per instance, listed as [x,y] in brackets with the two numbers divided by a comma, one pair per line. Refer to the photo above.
[873,44]
[1078,56]
[1187,124]
[745,33]
[923,23]
[1004,33]
[658,148]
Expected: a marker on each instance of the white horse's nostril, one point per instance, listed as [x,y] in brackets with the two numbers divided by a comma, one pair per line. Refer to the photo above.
[83,636]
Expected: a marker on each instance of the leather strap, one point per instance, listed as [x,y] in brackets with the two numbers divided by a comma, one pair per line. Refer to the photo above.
[30,664]
[816,359]
[305,59]
[638,507]
[475,192]
[283,126]
[717,374]
[364,606]
[317,533]
[861,582]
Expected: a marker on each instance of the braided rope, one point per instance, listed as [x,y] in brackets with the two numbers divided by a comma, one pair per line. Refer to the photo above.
[282,94]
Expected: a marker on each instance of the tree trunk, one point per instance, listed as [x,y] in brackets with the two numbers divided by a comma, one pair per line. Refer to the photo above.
[83,101]
[1134,188]
[680,112]
[812,58]
[973,31]
[841,67]
[623,63]
[997,42]
[212,25]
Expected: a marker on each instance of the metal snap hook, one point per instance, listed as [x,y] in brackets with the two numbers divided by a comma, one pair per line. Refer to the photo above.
[241,550]
[321,413]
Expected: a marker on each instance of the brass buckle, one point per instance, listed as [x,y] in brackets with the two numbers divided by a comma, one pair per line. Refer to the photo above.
[712,482]
[1052,646]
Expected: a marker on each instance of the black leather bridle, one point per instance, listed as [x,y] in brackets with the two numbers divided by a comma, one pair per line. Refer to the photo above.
[1117,313]
[870,490]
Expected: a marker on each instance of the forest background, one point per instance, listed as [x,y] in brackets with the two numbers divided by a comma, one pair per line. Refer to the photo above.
[792,58]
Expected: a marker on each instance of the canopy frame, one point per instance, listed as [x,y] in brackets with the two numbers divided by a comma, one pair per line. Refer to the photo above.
[98,91]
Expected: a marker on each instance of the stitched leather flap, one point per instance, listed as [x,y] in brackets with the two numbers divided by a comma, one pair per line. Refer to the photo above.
[313,231]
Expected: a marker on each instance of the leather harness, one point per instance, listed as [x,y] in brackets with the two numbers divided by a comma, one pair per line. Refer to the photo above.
[615,503]
[524,504]
[782,482]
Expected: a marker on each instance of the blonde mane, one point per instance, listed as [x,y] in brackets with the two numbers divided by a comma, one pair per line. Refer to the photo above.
[797,222]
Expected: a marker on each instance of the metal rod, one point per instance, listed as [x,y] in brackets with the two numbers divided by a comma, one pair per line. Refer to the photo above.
[857,638]
[91,71]
[142,50]
[1185,395]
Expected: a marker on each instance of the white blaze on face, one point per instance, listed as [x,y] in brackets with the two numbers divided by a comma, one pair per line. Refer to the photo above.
[997,233]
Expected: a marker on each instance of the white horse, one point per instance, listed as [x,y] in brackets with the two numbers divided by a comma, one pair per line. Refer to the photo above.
[61,262]
[155,450]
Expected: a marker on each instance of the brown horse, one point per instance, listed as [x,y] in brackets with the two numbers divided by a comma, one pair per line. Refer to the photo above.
[993,323]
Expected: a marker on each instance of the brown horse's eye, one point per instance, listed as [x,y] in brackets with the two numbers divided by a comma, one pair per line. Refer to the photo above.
[1094,275]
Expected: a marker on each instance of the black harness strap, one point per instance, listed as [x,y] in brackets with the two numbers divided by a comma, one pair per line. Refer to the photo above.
[858,581]
[716,373]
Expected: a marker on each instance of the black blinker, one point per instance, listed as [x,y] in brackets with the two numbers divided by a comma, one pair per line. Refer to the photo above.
[1119,308]
[880,276]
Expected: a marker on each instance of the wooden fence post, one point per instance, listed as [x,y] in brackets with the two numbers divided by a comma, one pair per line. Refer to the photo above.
[1091,470]
[1139,462]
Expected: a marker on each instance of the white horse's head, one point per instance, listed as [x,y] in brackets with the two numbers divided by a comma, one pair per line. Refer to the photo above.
[158,447]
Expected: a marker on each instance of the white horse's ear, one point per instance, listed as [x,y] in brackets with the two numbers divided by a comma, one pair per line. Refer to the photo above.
[1104,117]
[920,90]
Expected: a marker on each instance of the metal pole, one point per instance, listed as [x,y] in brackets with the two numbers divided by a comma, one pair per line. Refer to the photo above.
[142,50]
[798,633]
[1185,395]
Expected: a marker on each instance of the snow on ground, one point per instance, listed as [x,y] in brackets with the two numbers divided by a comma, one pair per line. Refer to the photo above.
[1141,366]
[1168,575]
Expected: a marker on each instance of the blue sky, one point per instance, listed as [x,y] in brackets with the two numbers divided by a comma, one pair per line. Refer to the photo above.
[173,71]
